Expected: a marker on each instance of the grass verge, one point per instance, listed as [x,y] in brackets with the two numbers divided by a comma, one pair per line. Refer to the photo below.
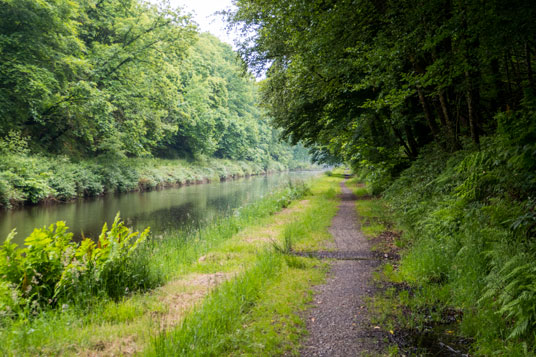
[191,267]
[259,312]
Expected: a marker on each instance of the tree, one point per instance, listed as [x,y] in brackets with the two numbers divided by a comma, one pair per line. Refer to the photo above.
[375,81]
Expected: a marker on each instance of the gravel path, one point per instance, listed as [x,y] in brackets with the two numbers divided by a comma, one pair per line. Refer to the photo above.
[338,324]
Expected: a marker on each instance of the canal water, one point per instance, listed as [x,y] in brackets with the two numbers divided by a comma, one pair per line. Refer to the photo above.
[162,210]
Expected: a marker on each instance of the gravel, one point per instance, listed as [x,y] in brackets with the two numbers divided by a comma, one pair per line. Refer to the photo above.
[338,323]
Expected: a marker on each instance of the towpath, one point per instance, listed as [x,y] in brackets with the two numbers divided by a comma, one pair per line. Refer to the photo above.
[339,323]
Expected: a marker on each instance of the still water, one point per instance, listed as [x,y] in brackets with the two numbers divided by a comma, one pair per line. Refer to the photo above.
[162,210]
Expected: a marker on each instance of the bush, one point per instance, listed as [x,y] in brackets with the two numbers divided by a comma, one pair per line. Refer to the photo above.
[52,268]
[25,178]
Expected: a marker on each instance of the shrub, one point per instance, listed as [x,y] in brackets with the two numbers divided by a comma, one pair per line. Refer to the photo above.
[52,268]
[469,221]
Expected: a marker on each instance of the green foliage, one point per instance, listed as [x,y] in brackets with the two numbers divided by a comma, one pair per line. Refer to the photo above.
[469,222]
[52,269]
[175,255]
[373,83]
[514,286]
[434,104]
[34,179]
[124,78]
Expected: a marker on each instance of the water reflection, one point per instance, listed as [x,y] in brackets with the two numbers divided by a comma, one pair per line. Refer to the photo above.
[162,210]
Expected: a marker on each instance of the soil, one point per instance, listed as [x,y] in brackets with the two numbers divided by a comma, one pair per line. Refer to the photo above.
[339,323]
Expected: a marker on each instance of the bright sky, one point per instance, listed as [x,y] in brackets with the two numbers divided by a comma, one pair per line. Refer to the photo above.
[203,14]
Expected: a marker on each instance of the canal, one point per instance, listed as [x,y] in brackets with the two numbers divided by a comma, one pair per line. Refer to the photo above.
[163,210]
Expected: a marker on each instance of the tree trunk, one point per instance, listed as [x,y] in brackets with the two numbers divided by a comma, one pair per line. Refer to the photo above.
[529,65]
[448,122]
[400,138]
[500,96]
[414,148]
[471,110]
[508,83]
[427,114]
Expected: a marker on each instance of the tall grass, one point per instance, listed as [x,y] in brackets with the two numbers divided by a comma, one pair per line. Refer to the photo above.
[171,253]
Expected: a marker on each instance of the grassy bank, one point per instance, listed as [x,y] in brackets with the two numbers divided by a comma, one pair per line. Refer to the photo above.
[258,312]
[466,268]
[31,179]
[188,268]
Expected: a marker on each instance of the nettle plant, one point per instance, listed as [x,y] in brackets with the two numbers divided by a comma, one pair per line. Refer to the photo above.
[51,268]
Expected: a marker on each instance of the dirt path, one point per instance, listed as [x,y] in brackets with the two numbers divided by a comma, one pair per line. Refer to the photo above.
[338,324]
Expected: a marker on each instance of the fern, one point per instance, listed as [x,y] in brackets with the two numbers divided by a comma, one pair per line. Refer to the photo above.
[513,290]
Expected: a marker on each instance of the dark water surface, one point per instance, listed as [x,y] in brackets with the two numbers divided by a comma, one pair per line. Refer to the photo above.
[163,210]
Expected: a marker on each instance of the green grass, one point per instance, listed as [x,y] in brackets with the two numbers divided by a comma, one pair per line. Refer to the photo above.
[255,314]
[338,172]
[203,332]
[258,313]
[98,322]
[370,210]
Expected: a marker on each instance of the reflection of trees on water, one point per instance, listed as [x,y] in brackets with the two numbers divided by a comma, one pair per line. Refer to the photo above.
[164,210]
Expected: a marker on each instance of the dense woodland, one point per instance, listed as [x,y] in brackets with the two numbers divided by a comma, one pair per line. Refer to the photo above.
[434,103]
[105,80]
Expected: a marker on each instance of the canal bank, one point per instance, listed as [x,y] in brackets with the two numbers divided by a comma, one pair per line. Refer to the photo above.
[38,179]
[222,253]
[166,210]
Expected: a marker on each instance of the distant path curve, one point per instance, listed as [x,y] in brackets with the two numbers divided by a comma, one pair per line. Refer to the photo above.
[338,323]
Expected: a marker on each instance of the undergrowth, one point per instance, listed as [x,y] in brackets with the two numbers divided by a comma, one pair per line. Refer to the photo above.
[469,222]
[27,178]
[51,269]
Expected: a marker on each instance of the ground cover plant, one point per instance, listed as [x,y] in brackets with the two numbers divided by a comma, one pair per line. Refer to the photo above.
[188,267]
[31,179]
[258,312]
[468,225]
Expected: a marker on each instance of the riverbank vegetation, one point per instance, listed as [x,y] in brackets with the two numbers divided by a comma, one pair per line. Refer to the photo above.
[434,105]
[259,312]
[32,179]
[185,268]
[90,87]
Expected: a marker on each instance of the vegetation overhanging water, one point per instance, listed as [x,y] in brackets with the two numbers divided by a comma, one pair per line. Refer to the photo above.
[178,208]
